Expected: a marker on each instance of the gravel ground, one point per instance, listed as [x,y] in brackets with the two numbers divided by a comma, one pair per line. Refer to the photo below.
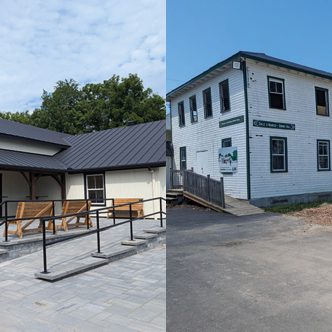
[320,215]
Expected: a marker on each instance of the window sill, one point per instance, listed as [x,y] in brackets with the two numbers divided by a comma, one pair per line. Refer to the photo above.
[276,172]
[324,170]
[325,115]
[278,109]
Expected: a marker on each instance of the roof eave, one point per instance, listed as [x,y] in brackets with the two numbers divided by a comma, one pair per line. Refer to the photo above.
[117,168]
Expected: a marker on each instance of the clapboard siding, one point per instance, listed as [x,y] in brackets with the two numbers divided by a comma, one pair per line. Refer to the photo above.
[206,134]
[302,175]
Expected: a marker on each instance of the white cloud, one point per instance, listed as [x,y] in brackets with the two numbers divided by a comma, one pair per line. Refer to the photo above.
[87,40]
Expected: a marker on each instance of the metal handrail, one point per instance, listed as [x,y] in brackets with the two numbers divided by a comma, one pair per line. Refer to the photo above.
[98,230]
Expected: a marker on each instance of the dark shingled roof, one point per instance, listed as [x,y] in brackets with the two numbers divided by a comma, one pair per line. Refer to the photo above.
[254,56]
[142,145]
[17,129]
[27,161]
[137,146]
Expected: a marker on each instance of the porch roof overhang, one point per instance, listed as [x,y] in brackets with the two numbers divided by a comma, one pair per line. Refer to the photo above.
[22,161]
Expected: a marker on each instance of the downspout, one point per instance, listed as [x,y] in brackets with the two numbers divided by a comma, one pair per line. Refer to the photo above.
[245,86]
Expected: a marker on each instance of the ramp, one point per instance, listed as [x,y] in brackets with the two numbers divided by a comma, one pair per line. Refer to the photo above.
[240,207]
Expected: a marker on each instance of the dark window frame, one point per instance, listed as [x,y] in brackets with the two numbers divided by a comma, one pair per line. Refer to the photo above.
[183,148]
[225,140]
[223,109]
[286,154]
[192,117]
[283,94]
[317,88]
[318,155]
[86,189]
[205,104]
[182,118]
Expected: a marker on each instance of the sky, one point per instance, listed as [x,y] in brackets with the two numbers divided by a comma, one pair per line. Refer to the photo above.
[42,42]
[203,33]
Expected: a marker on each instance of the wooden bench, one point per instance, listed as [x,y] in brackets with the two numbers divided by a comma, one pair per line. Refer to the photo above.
[124,211]
[72,207]
[33,210]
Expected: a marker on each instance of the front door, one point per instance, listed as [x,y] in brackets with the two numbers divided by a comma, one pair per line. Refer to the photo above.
[202,162]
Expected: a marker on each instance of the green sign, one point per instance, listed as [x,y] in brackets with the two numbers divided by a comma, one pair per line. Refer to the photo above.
[232,121]
[273,125]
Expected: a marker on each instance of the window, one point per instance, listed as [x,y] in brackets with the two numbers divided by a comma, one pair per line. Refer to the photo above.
[207,101]
[95,188]
[182,120]
[278,151]
[224,96]
[322,101]
[193,109]
[276,93]
[226,142]
[323,155]
[183,158]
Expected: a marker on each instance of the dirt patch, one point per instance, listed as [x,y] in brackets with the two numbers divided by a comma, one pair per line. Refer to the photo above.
[321,215]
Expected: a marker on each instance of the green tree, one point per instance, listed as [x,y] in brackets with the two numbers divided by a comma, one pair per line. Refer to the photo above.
[60,110]
[23,117]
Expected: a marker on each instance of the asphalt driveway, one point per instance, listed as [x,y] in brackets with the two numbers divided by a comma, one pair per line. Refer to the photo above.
[258,273]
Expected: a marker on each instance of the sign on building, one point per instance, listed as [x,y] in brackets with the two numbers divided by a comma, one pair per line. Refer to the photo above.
[228,159]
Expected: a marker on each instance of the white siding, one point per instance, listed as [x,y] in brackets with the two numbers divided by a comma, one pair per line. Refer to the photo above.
[20,144]
[206,134]
[302,175]
[135,183]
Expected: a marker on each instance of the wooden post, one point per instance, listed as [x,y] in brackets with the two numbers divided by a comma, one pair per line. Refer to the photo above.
[33,189]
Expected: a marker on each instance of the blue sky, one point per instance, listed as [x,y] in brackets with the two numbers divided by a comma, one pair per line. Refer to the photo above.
[202,33]
[87,40]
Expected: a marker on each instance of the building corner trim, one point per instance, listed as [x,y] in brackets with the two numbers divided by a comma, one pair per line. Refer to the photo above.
[245,86]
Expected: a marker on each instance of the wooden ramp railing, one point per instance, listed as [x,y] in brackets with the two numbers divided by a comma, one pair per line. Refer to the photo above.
[204,188]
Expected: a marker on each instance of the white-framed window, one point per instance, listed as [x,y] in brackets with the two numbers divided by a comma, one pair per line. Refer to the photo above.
[95,188]
[276,88]
[193,109]
[278,154]
[182,120]
[183,158]
[322,101]
[323,155]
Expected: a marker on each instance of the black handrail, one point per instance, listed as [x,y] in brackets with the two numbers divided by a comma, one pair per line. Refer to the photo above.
[98,230]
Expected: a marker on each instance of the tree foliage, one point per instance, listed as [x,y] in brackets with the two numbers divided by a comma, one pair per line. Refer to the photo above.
[115,102]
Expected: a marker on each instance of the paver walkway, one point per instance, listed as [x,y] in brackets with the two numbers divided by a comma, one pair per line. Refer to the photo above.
[127,295]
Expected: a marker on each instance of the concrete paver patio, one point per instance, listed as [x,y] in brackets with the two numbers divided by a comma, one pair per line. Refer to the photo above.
[127,295]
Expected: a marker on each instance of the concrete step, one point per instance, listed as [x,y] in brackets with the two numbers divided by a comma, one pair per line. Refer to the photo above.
[174,194]
[115,253]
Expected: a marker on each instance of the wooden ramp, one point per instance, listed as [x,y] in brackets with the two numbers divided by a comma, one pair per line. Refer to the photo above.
[240,207]
[234,206]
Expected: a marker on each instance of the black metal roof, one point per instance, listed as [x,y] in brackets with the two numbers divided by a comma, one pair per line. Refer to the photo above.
[142,145]
[255,56]
[13,160]
[12,128]
[137,146]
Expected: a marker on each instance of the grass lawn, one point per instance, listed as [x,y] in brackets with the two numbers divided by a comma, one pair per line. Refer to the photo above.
[293,207]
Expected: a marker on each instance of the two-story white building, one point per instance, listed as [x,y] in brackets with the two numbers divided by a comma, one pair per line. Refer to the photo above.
[261,123]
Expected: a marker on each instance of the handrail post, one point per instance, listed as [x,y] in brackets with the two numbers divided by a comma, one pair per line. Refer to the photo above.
[161,212]
[98,232]
[6,224]
[222,192]
[131,223]
[53,221]
[87,215]
[113,212]
[208,187]
[44,248]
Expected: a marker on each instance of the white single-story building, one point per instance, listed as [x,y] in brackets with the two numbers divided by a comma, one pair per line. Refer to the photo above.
[261,123]
[126,162]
